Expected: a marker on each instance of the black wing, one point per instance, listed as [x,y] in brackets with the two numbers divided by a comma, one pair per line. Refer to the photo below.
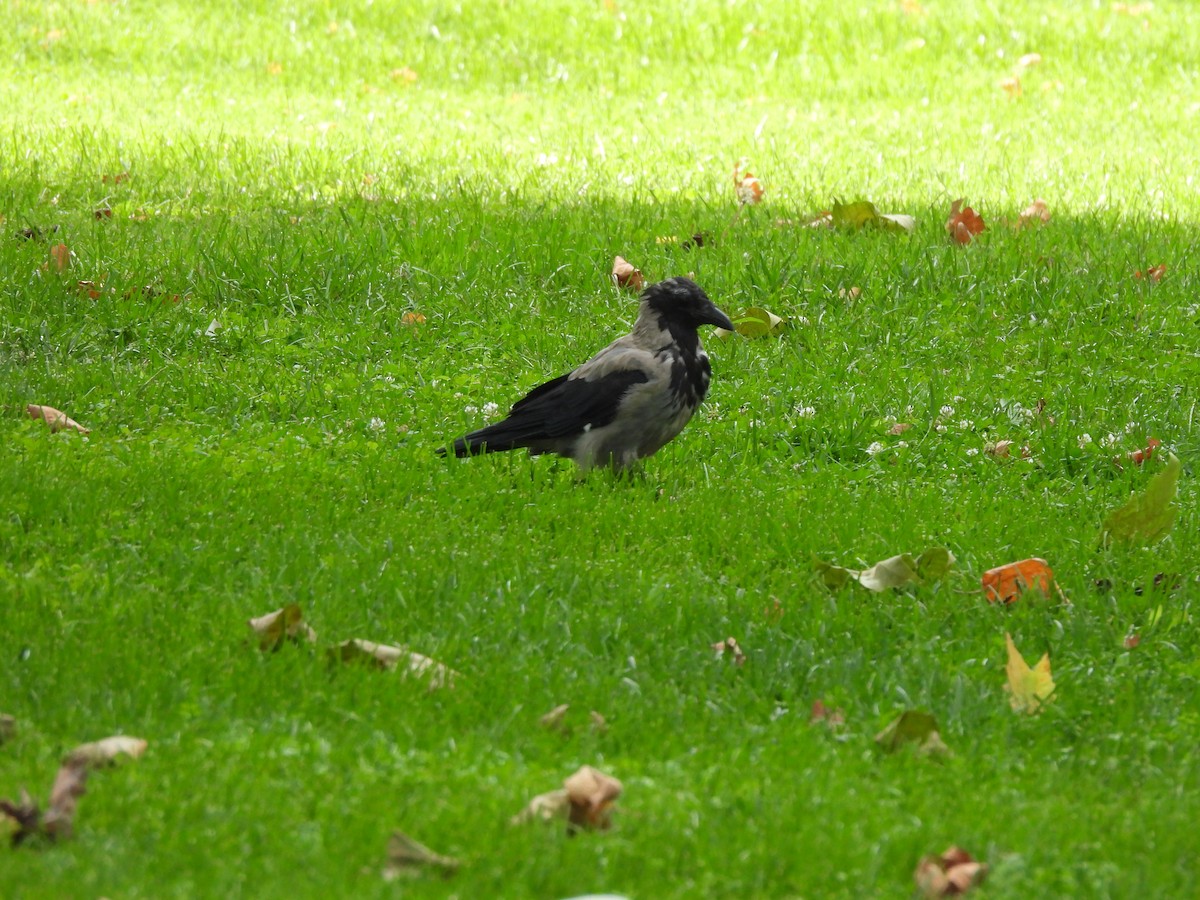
[555,410]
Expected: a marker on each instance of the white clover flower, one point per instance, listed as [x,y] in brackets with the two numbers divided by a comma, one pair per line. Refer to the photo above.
[1084,440]
[874,447]
[901,444]
[946,411]
[940,428]
[805,412]
[377,424]
[470,410]
[490,409]
[1109,440]
[1131,427]
[972,451]
[966,424]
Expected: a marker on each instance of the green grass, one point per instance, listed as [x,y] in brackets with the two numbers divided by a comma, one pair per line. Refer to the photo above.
[283,183]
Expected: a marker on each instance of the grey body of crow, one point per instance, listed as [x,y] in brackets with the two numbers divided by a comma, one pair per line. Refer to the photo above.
[627,401]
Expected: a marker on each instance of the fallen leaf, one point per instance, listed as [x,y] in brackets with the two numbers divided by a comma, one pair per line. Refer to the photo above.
[774,611]
[748,188]
[997,449]
[912,727]
[69,785]
[115,179]
[91,289]
[1132,640]
[591,794]
[1011,86]
[755,322]
[729,649]
[851,294]
[858,215]
[404,75]
[1148,516]
[1137,457]
[383,656]
[598,722]
[899,428]
[35,233]
[585,801]
[406,856]
[58,421]
[103,212]
[285,624]
[106,752]
[825,715]
[1029,60]
[699,239]
[894,572]
[1035,212]
[213,327]
[954,872]
[25,814]
[1005,583]
[964,223]
[1153,274]
[60,257]
[1029,689]
[625,275]
[554,720]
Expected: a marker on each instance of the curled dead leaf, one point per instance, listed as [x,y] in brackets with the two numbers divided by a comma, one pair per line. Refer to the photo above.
[60,257]
[58,421]
[748,188]
[729,649]
[826,715]
[406,856]
[1154,274]
[997,449]
[106,752]
[69,785]
[1011,86]
[1036,212]
[384,656]
[899,428]
[963,223]
[1005,583]
[284,624]
[625,275]
[412,318]
[555,719]
[1029,60]
[954,872]
[585,801]
[916,728]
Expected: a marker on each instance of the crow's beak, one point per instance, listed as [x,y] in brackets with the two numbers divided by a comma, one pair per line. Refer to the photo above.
[713,316]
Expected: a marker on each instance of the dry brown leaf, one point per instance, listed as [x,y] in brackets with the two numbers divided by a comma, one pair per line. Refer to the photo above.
[826,715]
[964,223]
[997,449]
[625,275]
[284,624]
[591,795]
[69,785]
[106,751]
[545,807]
[729,648]
[954,872]
[1029,60]
[1035,212]
[25,814]
[412,318]
[1154,273]
[899,428]
[407,856]
[58,421]
[1132,640]
[555,719]
[599,723]
[1011,86]
[383,656]
[850,293]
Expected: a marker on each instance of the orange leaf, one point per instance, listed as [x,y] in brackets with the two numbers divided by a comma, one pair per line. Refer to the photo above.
[58,421]
[749,189]
[1036,211]
[412,318]
[1137,457]
[625,275]
[1006,583]
[729,648]
[60,257]
[1155,273]
[964,223]
[1012,87]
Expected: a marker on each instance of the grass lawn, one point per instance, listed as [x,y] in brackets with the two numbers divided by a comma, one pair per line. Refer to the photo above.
[340,231]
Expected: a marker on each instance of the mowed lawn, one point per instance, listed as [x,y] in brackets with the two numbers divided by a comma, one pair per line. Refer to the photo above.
[275,255]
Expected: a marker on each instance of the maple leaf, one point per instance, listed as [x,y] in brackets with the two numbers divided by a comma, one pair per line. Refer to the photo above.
[1147,516]
[915,727]
[1029,688]
[964,223]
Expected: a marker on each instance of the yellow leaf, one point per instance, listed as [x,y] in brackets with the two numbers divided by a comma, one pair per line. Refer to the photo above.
[1030,689]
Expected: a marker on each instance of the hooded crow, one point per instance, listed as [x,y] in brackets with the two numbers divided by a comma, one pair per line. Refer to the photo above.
[628,400]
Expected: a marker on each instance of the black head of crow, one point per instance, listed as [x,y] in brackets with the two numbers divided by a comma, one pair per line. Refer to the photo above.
[625,402]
